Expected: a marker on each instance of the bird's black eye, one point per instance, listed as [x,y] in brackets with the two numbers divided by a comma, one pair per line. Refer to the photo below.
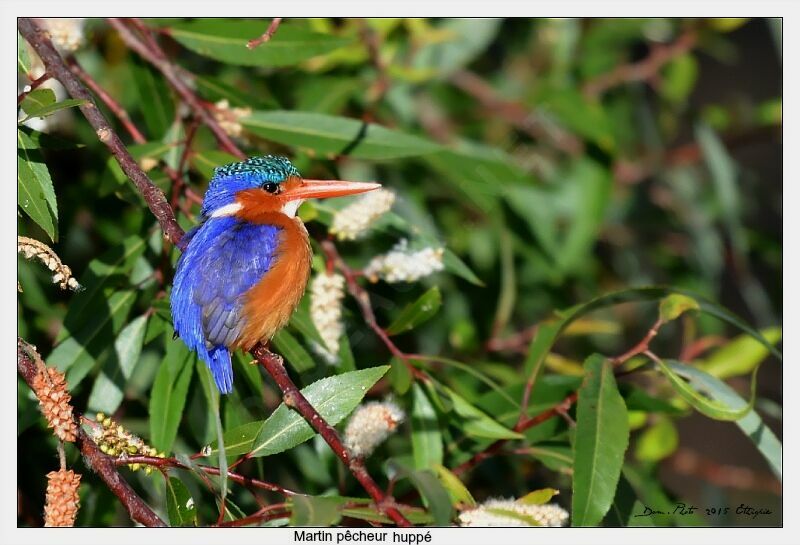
[270,187]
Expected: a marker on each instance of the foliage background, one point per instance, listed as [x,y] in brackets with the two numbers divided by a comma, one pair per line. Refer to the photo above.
[549,195]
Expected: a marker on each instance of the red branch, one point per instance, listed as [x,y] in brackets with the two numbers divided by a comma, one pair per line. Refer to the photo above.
[33,85]
[643,70]
[55,65]
[96,460]
[271,29]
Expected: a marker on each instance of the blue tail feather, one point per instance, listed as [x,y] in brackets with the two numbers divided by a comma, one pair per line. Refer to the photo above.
[220,365]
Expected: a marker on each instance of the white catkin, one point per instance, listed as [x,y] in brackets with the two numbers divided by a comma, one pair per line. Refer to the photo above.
[352,221]
[67,34]
[490,513]
[370,425]
[228,118]
[402,265]
[62,275]
[327,292]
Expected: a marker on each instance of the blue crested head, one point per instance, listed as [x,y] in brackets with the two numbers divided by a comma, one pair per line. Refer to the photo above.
[255,172]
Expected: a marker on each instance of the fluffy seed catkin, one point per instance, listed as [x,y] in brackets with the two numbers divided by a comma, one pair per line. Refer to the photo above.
[327,292]
[50,387]
[370,425]
[502,512]
[352,221]
[62,500]
[403,265]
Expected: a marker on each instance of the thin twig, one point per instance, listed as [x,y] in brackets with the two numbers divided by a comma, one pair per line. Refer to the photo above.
[271,29]
[155,56]
[643,70]
[32,86]
[96,460]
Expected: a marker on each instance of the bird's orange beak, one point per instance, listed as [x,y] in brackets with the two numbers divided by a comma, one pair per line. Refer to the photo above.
[323,189]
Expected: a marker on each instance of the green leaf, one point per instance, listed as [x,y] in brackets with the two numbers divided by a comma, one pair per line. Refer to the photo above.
[538,497]
[698,387]
[50,109]
[657,442]
[454,264]
[601,438]
[468,39]
[619,515]
[675,304]
[35,193]
[180,504]
[459,494]
[739,356]
[332,135]
[155,99]
[168,396]
[79,353]
[475,422]
[226,40]
[43,140]
[418,312]
[580,114]
[108,388]
[433,493]
[314,510]
[426,437]
[680,75]
[333,397]
[214,90]
[239,440]
[300,360]
[38,99]
[23,59]
[400,376]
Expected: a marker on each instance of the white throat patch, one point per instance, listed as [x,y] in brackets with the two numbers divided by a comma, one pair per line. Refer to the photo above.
[290,208]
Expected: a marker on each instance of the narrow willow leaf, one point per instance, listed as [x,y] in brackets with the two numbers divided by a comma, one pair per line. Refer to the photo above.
[315,510]
[35,193]
[212,398]
[454,264]
[155,99]
[426,437]
[418,312]
[297,356]
[38,99]
[108,389]
[214,90]
[400,376]
[333,397]
[622,508]
[459,494]
[467,38]
[168,395]
[738,356]
[78,354]
[238,440]
[206,161]
[475,422]
[23,59]
[601,438]
[332,135]
[370,514]
[538,497]
[724,396]
[433,493]
[225,40]
[180,504]
[675,304]
[657,442]
[50,109]
[697,388]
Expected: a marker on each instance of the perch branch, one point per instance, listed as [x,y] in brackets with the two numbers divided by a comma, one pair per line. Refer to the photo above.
[96,460]
[56,66]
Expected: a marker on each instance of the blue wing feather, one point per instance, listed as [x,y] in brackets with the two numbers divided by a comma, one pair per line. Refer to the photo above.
[224,259]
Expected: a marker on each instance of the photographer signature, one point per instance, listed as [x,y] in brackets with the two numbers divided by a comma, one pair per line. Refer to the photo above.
[682,509]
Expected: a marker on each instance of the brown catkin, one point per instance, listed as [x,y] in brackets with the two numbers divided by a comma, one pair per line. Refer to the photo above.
[62,500]
[51,389]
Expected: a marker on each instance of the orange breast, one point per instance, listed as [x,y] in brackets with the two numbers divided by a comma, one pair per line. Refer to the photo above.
[270,303]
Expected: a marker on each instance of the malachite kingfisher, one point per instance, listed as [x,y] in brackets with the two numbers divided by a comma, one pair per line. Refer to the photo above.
[246,264]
